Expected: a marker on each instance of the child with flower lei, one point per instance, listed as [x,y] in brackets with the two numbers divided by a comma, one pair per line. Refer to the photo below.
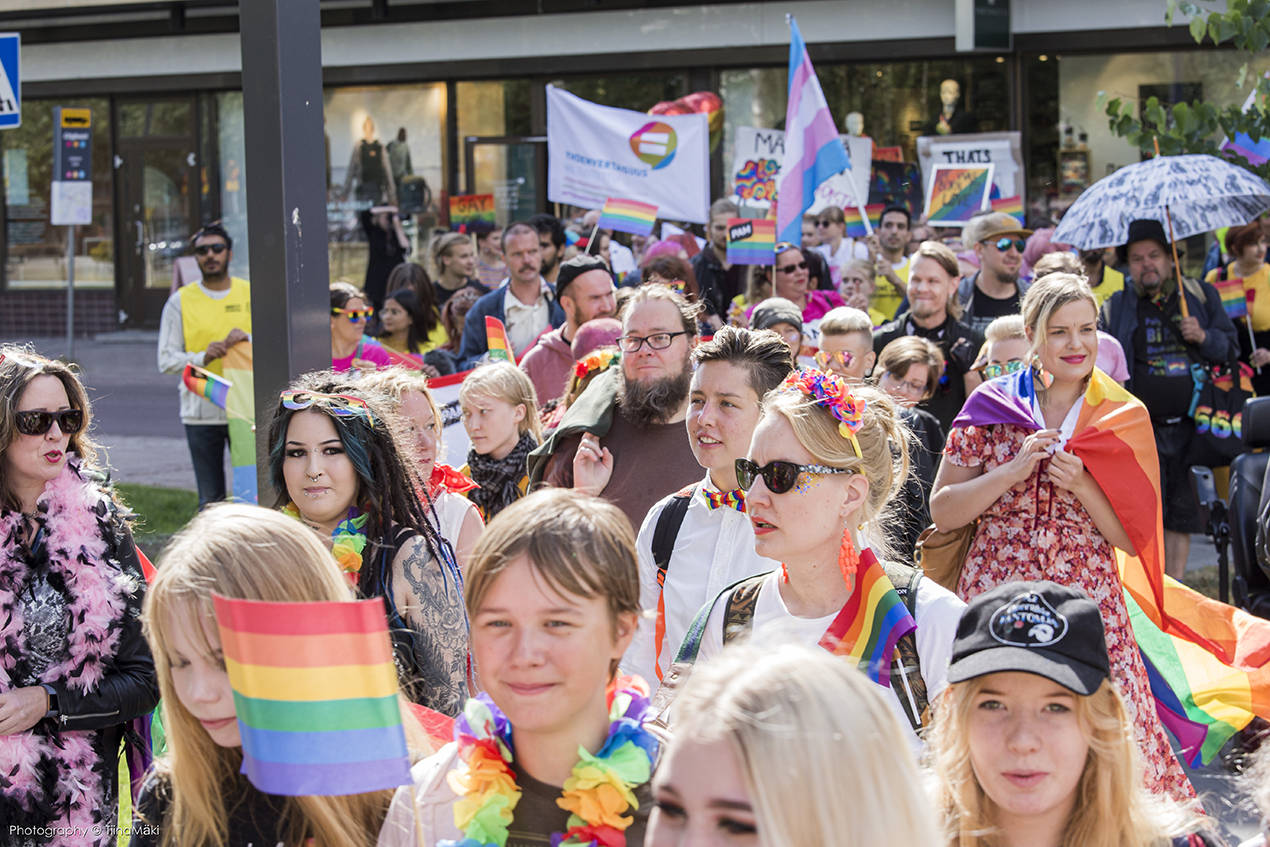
[555,750]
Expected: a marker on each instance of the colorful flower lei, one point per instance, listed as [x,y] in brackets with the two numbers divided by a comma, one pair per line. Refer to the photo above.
[597,793]
[832,392]
[348,540]
[596,360]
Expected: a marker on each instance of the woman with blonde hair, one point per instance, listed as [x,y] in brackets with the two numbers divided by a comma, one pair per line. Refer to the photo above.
[825,466]
[454,267]
[500,412]
[749,720]
[1032,744]
[196,795]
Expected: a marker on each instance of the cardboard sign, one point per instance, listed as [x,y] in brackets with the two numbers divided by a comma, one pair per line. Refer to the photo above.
[956,193]
[469,209]
[751,241]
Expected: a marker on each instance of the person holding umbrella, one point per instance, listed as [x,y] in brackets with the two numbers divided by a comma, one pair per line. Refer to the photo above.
[1164,328]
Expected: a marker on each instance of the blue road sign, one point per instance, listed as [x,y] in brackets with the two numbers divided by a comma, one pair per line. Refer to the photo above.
[10,80]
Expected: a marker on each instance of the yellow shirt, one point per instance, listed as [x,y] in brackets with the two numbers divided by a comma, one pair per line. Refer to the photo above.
[1112,281]
[435,339]
[1258,282]
[885,301]
[206,319]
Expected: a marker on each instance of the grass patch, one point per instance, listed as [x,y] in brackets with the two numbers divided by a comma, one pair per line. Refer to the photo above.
[161,512]
[1204,580]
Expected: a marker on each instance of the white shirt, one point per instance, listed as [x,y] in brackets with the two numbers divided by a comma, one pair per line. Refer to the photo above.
[451,509]
[850,248]
[938,612]
[714,549]
[623,258]
[526,322]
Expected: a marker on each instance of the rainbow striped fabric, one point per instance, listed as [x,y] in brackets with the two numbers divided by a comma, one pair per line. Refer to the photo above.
[871,623]
[497,342]
[1012,206]
[206,384]
[628,216]
[316,695]
[751,241]
[1209,662]
[1234,297]
[855,221]
[240,409]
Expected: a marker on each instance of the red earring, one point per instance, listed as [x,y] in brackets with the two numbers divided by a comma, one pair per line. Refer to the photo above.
[848,557]
[784,574]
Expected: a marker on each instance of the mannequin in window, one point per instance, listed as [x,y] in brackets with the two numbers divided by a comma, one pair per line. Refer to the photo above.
[368,170]
[399,159]
[951,119]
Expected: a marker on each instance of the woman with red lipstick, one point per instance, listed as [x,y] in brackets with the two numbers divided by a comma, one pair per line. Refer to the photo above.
[196,796]
[1032,745]
[74,668]
[1041,513]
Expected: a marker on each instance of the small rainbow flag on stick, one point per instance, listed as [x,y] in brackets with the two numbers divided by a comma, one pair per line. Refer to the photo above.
[1234,297]
[206,384]
[628,216]
[871,624]
[1012,206]
[855,220]
[751,241]
[315,690]
[500,347]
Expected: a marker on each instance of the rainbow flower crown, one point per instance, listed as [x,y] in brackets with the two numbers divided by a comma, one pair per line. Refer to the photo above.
[832,392]
[596,360]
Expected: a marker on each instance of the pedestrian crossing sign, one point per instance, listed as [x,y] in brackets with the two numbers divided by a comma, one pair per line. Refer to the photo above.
[10,81]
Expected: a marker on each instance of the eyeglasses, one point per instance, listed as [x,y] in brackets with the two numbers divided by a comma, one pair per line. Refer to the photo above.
[340,405]
[842,357]
[355,316]
[995,370]
[204,249]
[36,422]
[656,341]
[827,223]
[789,269]
[1004,244]
[778,476]
[918,388]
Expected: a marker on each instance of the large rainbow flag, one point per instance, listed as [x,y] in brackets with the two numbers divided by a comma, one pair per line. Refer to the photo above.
[315,691]
[1208,661]
[872,622]
[628,216]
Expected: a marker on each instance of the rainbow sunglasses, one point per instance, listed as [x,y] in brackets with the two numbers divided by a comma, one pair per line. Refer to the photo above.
[842,357]
[354,316]
[340,405]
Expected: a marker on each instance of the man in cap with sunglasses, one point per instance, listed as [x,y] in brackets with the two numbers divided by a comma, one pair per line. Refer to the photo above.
[995,289]
[200,322]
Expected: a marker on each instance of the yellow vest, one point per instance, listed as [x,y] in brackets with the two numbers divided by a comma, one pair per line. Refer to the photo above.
[206,319]
[1112,281]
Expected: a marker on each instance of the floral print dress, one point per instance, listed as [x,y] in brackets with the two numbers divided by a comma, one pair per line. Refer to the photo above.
[1035,531]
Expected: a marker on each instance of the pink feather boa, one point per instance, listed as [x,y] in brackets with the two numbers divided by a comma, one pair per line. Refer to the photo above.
[98,592]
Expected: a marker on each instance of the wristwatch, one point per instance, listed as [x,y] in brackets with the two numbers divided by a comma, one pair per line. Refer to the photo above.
[52,694]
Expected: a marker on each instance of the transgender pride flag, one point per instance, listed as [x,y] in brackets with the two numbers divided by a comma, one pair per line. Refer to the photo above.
[813,150]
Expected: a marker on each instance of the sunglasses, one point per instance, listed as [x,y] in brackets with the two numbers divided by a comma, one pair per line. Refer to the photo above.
[1004,244]
[36,422]
[993,371]
[842,357]
[204,249]
[355,316]
[340,405]
[827,223]
[789,269]
[778,476]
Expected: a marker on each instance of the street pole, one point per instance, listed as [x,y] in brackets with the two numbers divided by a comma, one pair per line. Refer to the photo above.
[70,293]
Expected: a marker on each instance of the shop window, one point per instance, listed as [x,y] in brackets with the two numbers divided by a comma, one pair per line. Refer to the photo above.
[35,250]
[493,109]
[227,171]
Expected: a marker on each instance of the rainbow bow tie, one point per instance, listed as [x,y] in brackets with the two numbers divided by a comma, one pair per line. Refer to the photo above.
[732,499]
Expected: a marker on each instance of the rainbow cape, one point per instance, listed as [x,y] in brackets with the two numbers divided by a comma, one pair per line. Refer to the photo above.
[315,691]
[499,345]
[1234,297]
[206,384]
[1207,661]
[872,622]
[628,216]
[855,221]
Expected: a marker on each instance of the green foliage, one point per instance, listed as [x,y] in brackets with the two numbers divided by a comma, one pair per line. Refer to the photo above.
[1198,126]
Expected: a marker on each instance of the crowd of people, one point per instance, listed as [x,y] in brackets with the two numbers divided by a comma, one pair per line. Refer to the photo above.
[671,598]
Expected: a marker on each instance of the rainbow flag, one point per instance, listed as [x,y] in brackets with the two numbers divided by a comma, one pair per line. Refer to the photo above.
[751,241]
[628,216]
[1210,661]
[241,410]
[1012,206]
[872,622]
[855,221]
[497,342]
[206,384]
[315,690]
[1234,297]
[956,193]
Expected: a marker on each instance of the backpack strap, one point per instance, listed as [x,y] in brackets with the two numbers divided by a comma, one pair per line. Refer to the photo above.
[664,535]
[738,615]
[906,668]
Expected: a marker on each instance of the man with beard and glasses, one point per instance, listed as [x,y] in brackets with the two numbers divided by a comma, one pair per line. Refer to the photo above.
[584,288]
[995,289]
[623,437]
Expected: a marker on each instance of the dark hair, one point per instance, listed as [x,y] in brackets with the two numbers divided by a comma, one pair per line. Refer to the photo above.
[413,276]
[342,292]
[761,352]
[516,229]
[672,267]
[211,229]
[454,312]
[387,479]
[1239,237]
[576,267]
[549,225]
[423,319]
[908,218]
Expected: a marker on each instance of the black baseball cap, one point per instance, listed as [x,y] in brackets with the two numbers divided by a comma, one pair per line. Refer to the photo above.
[1043,628]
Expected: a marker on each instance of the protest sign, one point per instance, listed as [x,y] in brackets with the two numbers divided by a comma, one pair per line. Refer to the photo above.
[956,193]
[1002,150]
[756,160]
[469,209]
[751,241]
[595,152]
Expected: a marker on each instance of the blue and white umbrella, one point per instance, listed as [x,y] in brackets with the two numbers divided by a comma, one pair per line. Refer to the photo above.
[1199,193]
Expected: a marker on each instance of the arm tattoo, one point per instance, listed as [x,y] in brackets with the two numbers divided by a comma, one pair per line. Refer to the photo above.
[438,622]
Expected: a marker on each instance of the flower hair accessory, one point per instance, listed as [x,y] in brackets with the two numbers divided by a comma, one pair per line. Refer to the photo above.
[596,360]
[832,392]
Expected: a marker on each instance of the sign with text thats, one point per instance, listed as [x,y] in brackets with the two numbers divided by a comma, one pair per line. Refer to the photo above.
[10,80]
[72,189]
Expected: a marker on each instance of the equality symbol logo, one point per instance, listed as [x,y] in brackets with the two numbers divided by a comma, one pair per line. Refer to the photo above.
[654,144]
